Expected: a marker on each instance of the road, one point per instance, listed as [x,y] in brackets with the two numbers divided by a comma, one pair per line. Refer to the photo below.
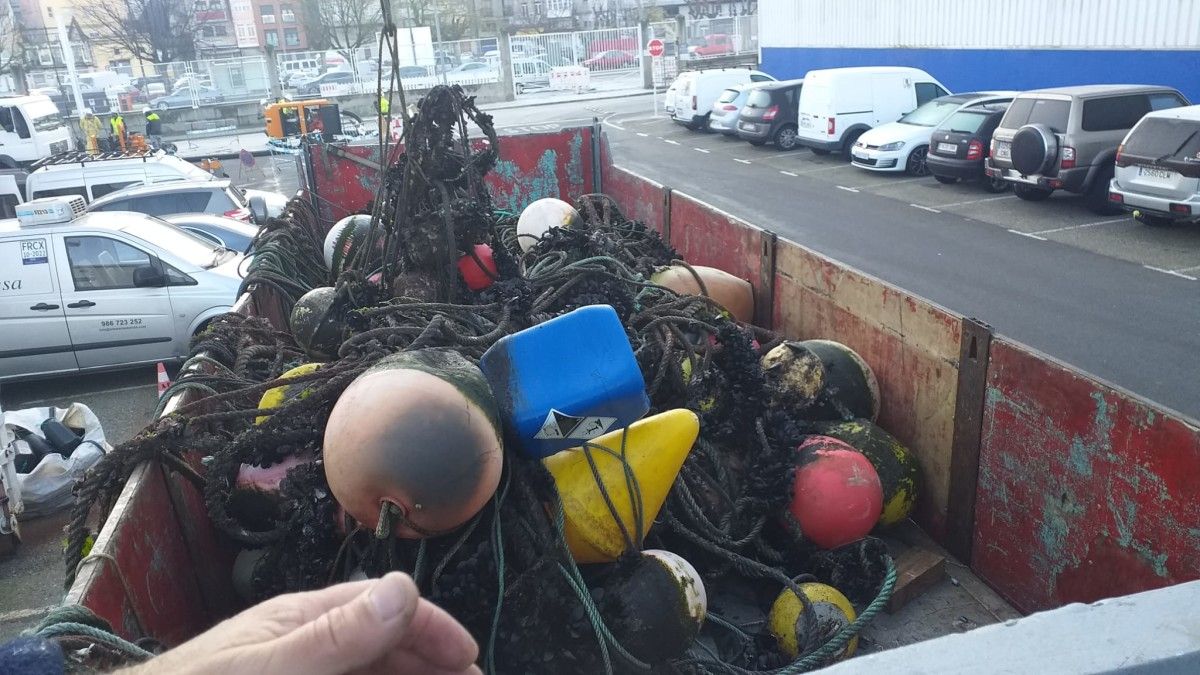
[1110,296]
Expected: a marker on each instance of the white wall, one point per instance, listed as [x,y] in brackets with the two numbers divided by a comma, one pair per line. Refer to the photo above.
[981,24]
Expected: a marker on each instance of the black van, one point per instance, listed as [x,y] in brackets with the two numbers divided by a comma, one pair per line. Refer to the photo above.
[769,114]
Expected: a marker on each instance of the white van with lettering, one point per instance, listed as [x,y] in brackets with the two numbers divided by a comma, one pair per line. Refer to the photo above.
[31,129]
[98,291]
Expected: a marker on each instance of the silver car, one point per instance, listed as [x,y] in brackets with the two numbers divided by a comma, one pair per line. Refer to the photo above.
[729,104]
[98,291]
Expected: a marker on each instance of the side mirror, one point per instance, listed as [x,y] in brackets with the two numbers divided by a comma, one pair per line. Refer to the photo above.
[149,276]
[258,210]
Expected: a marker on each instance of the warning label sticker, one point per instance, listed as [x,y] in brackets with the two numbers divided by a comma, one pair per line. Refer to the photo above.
[561,425]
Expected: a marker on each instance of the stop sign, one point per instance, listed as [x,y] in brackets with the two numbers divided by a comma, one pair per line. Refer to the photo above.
[655,47]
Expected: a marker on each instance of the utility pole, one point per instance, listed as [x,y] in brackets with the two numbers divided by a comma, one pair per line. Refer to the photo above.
[69,57]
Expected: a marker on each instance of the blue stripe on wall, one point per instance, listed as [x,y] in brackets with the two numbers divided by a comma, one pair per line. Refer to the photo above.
[1019,69]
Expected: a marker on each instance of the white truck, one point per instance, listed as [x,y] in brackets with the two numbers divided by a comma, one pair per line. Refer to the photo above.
[31,129]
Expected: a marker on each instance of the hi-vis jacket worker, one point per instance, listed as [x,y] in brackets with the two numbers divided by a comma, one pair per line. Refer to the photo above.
[117,125]
[90,124]
[153,126]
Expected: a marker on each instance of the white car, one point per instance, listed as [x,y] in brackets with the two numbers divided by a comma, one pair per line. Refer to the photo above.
[96,291]
[903,145]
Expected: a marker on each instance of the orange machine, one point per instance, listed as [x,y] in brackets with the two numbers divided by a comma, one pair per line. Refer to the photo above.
[300,118]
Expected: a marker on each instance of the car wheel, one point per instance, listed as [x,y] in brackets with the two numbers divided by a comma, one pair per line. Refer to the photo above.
[520,88]
[785,137]
[704,122]
[916,166]
[820,151]
[848,143]
[7,162]
[994,184]
[1030,193]
[945,180]
[1153,221]
[1096,197]
[162,105]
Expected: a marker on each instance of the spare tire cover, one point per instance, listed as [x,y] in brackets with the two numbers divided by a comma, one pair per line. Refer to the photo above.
[1034,149]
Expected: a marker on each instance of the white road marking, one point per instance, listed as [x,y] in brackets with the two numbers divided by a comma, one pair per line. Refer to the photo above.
[976,201]
[925,208]
[1173,273]
[642,134]
[847,189]
[19,614]
[788,173]
[702,150]
[1076,227]
[743,161]
[671,141]
[1027,234]
[899,181]
[825,168]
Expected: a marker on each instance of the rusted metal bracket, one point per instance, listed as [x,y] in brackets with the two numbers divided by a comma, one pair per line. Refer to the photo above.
[666,214]
[764,295]
[968,431]
[597,164]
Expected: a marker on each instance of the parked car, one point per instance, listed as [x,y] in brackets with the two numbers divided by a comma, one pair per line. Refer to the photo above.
[839,104]
[104,290]
[611,59]
[691,96]
[185,97]
[904,144]
[313,86]
[959,146]
[93,177]
[473,68]
[214,197]
[222,231]
[530,74]
[1158,168]
[727,107]
[713,45]
[1066,138]
[769,115]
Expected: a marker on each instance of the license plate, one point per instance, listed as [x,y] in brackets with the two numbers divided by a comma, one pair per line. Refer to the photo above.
[949,148]
[1154,172]
[806,123]
[1003,151]
[746,126]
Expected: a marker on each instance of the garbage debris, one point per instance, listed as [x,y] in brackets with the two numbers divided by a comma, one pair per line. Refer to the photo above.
[658,538]
[55,447]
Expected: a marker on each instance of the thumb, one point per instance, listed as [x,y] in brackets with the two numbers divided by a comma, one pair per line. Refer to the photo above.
[352,635]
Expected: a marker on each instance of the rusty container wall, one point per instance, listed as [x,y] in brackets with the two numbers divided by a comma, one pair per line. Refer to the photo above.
[1085,491]
[641,198]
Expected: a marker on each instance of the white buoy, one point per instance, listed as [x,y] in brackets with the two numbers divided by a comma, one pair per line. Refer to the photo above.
[537,219]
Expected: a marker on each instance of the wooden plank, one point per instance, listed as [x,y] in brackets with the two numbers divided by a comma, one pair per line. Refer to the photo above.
[917,570]
[968,427]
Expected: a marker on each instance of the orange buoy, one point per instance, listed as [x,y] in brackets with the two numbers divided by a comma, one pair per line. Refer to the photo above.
[836,494]
[476,277]
[734,294]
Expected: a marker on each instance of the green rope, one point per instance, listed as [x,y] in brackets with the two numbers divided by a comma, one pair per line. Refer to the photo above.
[77,621]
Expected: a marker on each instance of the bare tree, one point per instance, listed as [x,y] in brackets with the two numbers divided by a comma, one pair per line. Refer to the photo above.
[454,16]
[158,31]
[344,25]
[12,47]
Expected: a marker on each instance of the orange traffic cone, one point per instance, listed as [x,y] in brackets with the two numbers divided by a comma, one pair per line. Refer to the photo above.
[164,382]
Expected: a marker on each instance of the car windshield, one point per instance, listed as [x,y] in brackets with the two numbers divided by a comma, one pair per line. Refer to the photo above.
[728,96]
[964,122]
[45,116]
[931,114]
[1053,113]
[758,99]
[185,245]
[1163,138]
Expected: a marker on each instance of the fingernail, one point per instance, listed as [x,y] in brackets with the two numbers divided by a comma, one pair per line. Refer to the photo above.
[391,595]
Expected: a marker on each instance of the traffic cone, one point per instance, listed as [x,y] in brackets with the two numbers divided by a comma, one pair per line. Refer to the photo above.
[655,448]
[164,382]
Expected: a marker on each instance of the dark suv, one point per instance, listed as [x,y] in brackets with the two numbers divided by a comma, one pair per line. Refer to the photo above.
[769,114]
[1067,138]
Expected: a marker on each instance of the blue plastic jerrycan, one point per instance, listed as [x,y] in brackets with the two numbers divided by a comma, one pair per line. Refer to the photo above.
[566,381]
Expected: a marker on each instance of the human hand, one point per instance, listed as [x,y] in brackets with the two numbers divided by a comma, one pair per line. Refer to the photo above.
[371,626]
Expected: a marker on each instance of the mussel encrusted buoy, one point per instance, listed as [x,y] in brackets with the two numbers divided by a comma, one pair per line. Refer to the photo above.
[418,430]
[318,322]
[539,217]
[734,294]
[836,495]
[276,396]
[899,473]
[837,383]
[832,612]
[659,603]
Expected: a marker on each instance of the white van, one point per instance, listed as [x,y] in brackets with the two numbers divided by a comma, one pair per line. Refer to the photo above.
[693,93]
[94,176]
[103,290]
[31,129]
[838,104]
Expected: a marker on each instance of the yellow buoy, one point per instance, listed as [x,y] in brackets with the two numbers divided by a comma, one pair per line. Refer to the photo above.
[655,448]
[275,396]
[833,613]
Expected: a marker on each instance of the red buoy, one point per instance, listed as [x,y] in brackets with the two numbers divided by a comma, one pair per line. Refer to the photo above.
[836,494]
[478,278]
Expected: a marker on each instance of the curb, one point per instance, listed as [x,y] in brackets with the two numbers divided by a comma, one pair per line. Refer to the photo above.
[578,99]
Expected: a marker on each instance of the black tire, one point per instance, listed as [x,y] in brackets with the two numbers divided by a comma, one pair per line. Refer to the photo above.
[945,180]
[916,165]
[785,138]
[702,125]
[1030,193]
[162,106]
[848,143]
[820,152]
[7,162]
[1096,197]
[994,184]
[1154,221]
